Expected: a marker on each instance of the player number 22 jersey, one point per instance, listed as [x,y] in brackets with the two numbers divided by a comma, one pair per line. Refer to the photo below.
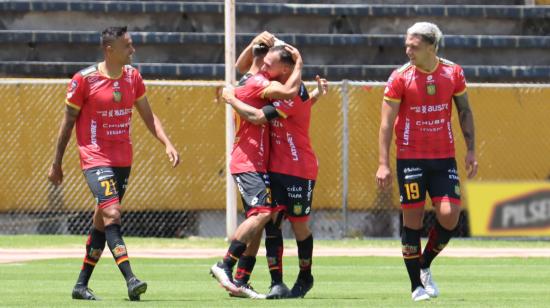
[103,123]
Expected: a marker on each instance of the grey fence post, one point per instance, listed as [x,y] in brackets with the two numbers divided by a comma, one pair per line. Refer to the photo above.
[345,155]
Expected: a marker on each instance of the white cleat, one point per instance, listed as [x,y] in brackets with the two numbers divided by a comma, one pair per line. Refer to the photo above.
[246,291]
[419,294]
[429,284]
[223,278]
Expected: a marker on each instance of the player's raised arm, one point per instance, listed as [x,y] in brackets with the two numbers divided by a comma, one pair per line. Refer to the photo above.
[320,90]
[389,113]
[291,87]
[245,63]
[155,127]
[466,118]
[55,174]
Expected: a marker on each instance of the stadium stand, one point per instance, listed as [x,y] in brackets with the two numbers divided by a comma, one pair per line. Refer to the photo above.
[184,40]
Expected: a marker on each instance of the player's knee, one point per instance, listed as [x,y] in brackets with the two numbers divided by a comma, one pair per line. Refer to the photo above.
[413,218]
[99,225]
[448,216]
[449,222]
[111,215]
[301,230]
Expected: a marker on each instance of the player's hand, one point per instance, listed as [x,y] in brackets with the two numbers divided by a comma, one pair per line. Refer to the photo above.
[296,56]
[173,155]
[55,174]
[471,164]
[228,93]
[265,38]
[383,176]
[322,85]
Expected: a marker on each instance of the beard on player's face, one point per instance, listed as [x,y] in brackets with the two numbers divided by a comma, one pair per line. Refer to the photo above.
[122,50]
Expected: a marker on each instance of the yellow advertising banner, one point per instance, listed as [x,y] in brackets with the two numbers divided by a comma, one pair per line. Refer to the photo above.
[509,209]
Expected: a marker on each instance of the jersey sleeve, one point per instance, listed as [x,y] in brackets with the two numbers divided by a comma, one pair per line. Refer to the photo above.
[139,85]
[394,88]
[460,81]
[76,92]
[256,86]
[288,107]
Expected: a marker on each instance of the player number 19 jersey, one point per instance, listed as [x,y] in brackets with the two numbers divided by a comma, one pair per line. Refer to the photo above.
[423,125]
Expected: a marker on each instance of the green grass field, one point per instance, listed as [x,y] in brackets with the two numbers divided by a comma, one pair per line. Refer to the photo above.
[340,281]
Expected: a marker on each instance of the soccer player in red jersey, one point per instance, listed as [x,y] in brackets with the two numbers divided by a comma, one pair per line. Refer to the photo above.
[100,100]
[292,171]
[249,162]
[417,102]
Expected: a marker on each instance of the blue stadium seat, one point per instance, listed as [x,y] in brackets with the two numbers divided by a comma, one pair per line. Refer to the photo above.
[162,30]
[216,71]
[396,10]
[394,40]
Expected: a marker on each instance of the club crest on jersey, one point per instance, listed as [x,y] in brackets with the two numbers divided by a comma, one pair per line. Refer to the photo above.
[430,88]
[430,85]
[117,96]
[297,209]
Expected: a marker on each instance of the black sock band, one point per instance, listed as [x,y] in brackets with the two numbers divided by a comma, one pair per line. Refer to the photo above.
[244,269]
[274,252]
[235,251]
[305,253]
[118,249]
[94,248]
[438,238]
[410,241]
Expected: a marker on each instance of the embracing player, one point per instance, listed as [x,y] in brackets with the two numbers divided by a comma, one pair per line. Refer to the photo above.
[249,163]
[292,169]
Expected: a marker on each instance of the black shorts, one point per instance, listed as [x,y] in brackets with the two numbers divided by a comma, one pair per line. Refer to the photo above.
[292,194]
[438,177]
[255,192]
[108,184]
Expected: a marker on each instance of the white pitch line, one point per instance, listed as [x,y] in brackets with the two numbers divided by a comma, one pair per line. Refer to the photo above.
[20,255]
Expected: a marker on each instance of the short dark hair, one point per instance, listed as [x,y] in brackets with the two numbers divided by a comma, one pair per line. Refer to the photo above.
[285,55]
[109,35]
[260,50]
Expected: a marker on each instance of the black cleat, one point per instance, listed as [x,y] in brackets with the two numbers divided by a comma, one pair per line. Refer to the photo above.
[301,287]
[82,292]
[136,288]
[278,291]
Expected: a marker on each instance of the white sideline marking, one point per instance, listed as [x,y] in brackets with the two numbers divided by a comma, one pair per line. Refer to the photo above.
[22,255]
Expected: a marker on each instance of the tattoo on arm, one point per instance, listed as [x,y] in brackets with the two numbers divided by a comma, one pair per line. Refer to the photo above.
[64,134]
[466,119]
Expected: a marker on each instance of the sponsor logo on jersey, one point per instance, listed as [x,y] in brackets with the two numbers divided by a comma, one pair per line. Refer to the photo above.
[254,201]
[413,176]
[72,88]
